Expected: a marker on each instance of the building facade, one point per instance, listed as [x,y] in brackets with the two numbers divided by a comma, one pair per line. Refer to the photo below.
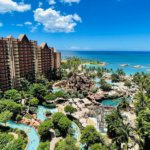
[23,58]
[45,60]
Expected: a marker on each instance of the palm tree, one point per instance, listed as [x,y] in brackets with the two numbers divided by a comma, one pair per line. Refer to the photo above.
[118,131]
[124,104]
[140,101]
[144,127]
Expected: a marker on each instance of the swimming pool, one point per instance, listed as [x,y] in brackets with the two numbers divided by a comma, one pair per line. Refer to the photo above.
[111,102]
[41,114]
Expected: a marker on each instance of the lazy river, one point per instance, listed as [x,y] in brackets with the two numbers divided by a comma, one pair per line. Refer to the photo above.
[33,138]
[41,113]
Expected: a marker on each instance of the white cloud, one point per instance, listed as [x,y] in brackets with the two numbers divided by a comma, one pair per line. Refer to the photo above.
[1,24]
[34,28]
[53,21]
[52,2]
[40,4]
[28,23]
[70,1]
[10,5]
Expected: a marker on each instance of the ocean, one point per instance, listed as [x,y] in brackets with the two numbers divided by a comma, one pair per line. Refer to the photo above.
[115,58]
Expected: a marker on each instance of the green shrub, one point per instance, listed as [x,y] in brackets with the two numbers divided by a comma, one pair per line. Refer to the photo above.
[28,116]
[50,97]
[33,102]
[70,109]
[44,128]
[57,133]
[49,105]
[5,139]
[18,118]
[85,93]
[44,146]
[127,83]
[48,113]
[18,144]
[59,94]
[32,110]
[94,90]
[81,96]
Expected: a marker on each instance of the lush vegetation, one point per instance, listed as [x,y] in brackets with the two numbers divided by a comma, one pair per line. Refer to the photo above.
[90,136]
[9,142]
[44,129]
[70,109]
[66,144]
[105,86]
[44,146]
[121,131]
[16,104]
[61,124]
[5,116]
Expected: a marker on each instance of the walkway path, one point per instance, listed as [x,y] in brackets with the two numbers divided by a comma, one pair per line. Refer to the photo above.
[54,140]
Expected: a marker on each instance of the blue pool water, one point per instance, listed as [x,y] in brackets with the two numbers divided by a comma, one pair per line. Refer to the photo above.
[77,131]
[116,58]
[97,80]
[31,133]
[55,89]
[110,102]
[41,114]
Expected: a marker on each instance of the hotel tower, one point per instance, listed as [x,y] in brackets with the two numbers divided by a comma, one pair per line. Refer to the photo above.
[23,58]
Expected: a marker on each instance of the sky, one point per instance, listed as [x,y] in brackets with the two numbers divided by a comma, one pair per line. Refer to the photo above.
[79,24]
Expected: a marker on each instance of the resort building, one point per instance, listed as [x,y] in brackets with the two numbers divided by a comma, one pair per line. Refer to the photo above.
[45,60]
[57,60]
[23,58]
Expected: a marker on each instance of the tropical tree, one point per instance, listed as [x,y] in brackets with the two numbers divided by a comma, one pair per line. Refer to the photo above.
[143,125]
[90,136]
[24,84]
[61,122]
[44,145]
[66,144]
[124,104]
[115,77]
[98,146]
[127,83]
[105,86]
[70,109]
[12,95]
[44,129]
[5,116]
[38,90]
[41,80]
[11,106]
[141,101]
[118,131]
[33,102]
[56,117]
[120,72]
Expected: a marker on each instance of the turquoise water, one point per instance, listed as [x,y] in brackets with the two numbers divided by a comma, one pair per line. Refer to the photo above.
[116,58]
[77,134]
[55,89]
[97,80]
[31,133]
[110,102]
[77,131]
[41,114]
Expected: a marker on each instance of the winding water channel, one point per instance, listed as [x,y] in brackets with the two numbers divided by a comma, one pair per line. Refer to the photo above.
[33,137]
